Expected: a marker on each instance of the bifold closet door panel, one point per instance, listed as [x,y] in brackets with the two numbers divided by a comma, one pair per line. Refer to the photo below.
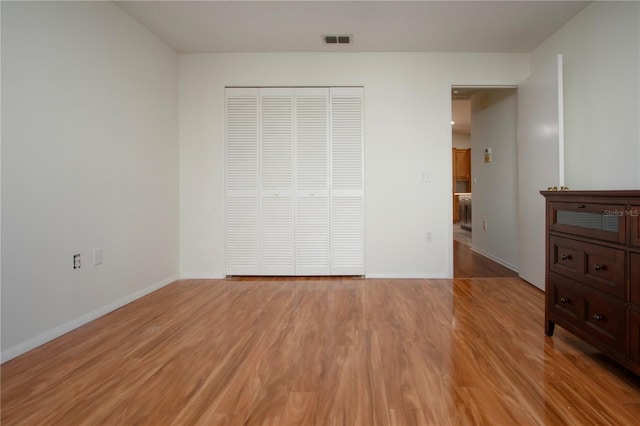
[347,181]
[241,181]
[276,181]
[312,241]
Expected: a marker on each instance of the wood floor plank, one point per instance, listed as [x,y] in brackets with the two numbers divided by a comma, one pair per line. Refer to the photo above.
[407,417]
[633,409]
[371,395]
[336,399]
[396,373]
[300,409]
[321,351]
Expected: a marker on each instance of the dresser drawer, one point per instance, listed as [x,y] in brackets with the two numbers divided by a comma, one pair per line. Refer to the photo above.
[634,278]
[593,265]
[634,223]
[600,221]
[605,320]
[565,299]
[634,338]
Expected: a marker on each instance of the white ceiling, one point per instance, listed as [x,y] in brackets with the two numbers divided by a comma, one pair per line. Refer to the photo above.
[380,26]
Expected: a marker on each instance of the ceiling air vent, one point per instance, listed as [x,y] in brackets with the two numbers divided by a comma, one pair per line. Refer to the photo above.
[336,39]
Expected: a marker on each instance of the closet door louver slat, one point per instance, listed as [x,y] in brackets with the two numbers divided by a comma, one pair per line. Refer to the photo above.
[242,236]
[347,231]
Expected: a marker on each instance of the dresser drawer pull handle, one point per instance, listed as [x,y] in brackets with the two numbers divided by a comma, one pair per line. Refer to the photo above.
[566,257]
[564,300]
[599,267]
[598,317]
[581,206]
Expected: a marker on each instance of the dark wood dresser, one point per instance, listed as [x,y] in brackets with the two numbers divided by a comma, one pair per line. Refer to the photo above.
[593,270]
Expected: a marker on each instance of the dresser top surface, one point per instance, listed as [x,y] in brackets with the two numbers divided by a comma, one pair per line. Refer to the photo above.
[618,193]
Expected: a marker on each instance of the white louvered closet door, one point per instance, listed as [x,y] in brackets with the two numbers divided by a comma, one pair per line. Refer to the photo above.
[347,181]
[276,187]
[242,174]
[312,182]
[294,181]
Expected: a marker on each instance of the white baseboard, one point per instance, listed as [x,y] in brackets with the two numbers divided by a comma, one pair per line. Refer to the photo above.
[495,259]
[408,276]
[192,276]
[78,322]
[208,276]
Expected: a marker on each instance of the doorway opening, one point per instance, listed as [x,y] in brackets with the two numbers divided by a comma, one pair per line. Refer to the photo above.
[484,181]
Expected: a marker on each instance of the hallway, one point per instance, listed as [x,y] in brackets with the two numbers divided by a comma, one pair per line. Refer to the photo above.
[469,264]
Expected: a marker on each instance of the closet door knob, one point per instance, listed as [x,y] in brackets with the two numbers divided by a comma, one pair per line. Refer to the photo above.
[598,267]
[277,194]
[312,193]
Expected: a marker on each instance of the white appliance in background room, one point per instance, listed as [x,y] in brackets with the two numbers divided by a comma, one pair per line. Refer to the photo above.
[465,210]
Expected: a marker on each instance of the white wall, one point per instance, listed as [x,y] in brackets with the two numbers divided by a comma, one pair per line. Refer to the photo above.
[461,140]
[89,159]
[495,190]
[407,131]
[601,56]
[0,184]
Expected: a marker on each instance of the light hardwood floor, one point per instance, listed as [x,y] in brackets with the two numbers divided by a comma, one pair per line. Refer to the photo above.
[321,352]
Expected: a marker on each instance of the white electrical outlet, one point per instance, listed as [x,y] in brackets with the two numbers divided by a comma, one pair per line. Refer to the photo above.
[76,261]
[484,225]
[97,256]
[428,237]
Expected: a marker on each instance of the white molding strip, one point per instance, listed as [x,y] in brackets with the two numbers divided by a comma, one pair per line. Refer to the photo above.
[80,321]
[207,276]
[408,276]
[495,259]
